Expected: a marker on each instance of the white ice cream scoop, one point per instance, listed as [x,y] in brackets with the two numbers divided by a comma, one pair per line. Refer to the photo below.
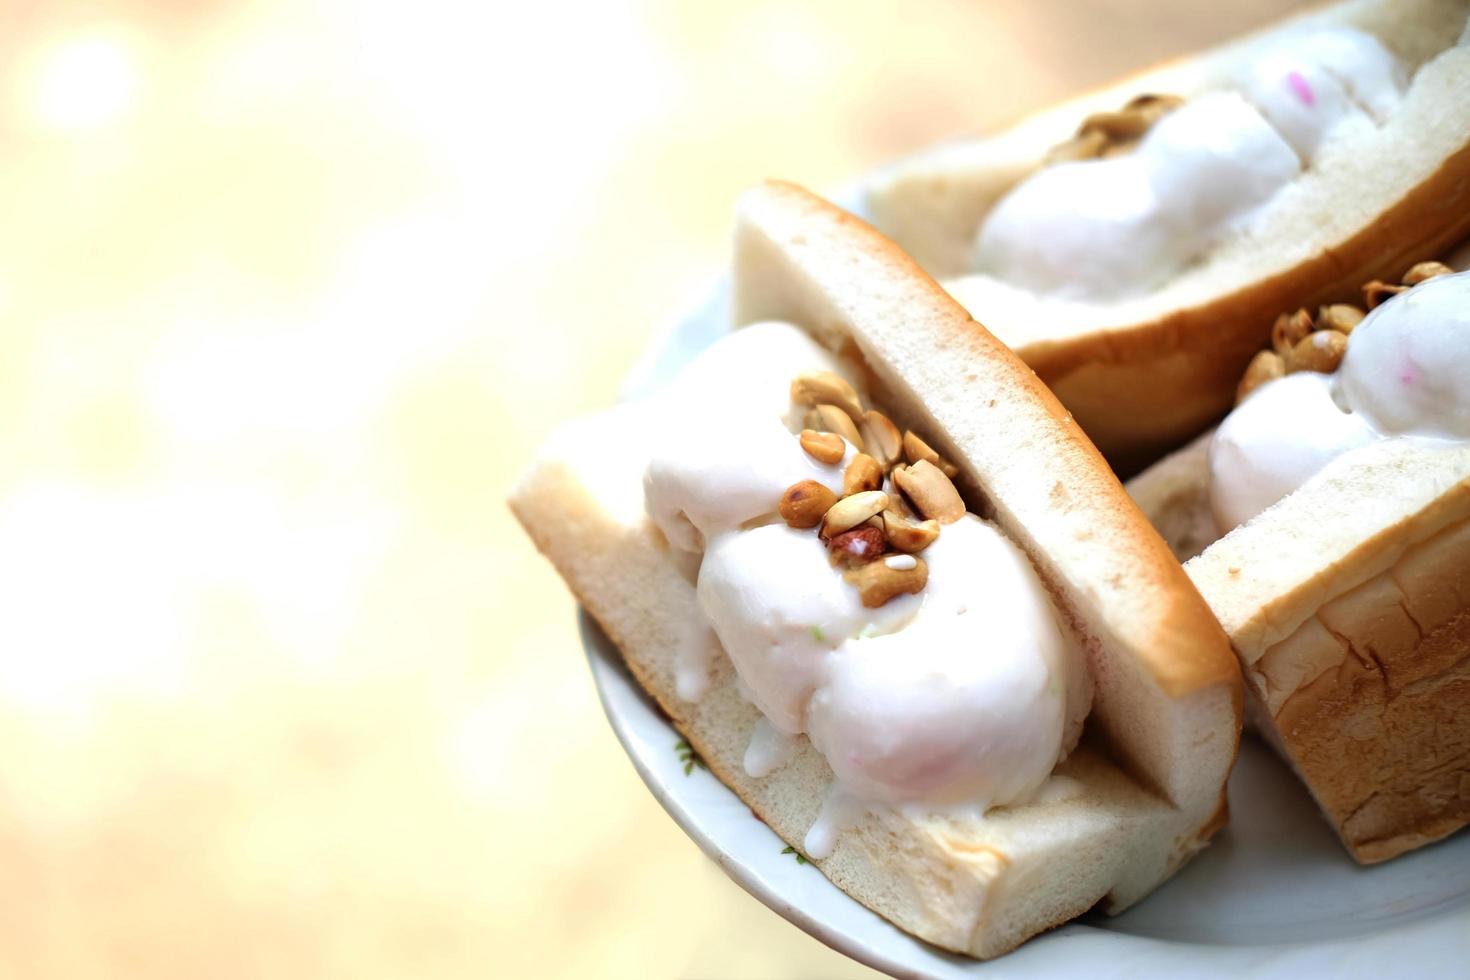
[1407,368]
[1274,441]
[723,452]
[1102,229]
[973,701]
[780,609]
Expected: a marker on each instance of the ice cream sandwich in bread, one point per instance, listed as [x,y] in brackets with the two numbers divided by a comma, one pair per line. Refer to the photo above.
[1327,523]
[895,599]
[1135,245]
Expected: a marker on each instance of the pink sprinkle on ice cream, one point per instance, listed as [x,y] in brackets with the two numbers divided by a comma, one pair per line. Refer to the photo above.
[1301,87]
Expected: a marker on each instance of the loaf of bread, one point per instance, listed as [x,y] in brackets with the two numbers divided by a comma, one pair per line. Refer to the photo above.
[1144,371]
[1148,779]
[1348,604]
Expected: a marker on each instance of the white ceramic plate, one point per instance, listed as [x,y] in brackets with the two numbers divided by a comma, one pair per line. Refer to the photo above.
[1275,895]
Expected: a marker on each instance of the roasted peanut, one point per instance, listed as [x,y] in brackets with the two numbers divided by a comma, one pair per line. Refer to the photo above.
[1377,291]
[1288,331]
[1342,317]
[1321,351]
[931,492]
[1425,270]
[858,545]
[877,582]
[908,535]
[1267,365]
[880,438]
[805,503]
[849,512]
[825,388]
[830,418]
[863,473]
[824,447]
[915,449]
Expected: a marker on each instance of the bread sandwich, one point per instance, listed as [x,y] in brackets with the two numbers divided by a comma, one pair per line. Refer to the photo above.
[894,598]
[1135,245]
[1327,523]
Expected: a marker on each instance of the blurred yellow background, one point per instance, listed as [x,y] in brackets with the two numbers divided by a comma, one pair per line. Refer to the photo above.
[288,294]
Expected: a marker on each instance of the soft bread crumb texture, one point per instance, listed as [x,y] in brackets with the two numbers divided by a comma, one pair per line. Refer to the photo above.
[1142,375]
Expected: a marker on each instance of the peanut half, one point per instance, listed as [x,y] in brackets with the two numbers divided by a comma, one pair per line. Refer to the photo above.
[908,535]
[877,581]
[849,512]
[880,438]
[915,449]
[824,447]
[804,504]
[1377,291]
[863,473]
[859,545]
[1267,365]
[1342,317]
[1321,351]
[825,388]
[830,418]
[1425,270]
[1288,331]
[931,492]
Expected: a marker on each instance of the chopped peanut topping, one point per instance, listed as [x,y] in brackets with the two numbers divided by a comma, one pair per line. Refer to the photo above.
[865,522]
[1301,343]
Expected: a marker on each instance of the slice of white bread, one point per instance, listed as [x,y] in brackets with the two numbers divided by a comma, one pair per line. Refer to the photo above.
[1348,603]
[1174,494]
[1150,774]
[1146,373]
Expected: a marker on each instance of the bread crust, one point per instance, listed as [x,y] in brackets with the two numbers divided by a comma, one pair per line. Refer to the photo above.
[979,888]
[1349,606]
[1145,379]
